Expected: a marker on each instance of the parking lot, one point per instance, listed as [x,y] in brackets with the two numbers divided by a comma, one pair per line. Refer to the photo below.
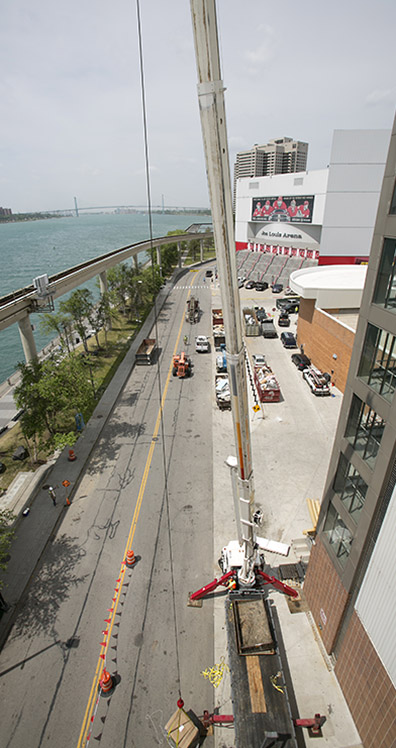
[291,439]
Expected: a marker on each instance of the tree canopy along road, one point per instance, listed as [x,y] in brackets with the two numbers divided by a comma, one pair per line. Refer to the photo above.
[147,488]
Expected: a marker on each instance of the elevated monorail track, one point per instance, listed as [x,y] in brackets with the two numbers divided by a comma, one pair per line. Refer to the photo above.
[17,304]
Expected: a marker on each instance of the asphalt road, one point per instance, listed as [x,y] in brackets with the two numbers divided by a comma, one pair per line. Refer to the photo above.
[148,486]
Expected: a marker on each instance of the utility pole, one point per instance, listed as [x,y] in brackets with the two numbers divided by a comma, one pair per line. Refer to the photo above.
[213,122]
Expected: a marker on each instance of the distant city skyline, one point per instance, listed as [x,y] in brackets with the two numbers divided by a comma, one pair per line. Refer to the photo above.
[71,101]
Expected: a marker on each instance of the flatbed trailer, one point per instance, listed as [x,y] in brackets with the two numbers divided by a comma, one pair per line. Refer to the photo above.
[262,711]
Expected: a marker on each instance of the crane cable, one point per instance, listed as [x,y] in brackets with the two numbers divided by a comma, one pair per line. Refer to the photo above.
[149,210]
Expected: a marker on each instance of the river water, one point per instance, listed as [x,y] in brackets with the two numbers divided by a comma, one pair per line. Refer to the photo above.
[32,248]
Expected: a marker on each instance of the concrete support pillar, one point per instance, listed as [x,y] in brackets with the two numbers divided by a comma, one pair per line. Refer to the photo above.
[27,338]
[179,253]
[201,249]
[136,262]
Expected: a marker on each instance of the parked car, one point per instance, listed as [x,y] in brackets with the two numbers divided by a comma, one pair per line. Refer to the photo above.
[281,304]
[261,286]
[277,287]
[258,359]
[268,329]
[288,340]
[202,344]
[292,306]
[241,281]
[284,320]
[250,284]
[301,361]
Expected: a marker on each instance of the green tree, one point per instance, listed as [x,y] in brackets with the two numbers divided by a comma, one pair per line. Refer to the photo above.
[152,283]
[79,306]
[59,323]
[67,387]
[51,393]
[6,535]
[135,293]
[35,419]
[102,316]
[117,278]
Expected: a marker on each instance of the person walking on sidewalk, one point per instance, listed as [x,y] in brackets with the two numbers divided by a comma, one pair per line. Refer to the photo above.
[52,494]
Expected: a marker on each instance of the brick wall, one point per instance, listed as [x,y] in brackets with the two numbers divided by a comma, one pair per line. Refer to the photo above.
[325,594]
[322,336]
[367,688]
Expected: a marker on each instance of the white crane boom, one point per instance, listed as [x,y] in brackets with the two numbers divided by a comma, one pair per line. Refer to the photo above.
[213,123]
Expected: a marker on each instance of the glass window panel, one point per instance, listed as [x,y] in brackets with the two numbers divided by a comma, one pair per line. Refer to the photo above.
[385,289]
[338,535]
[364,430]
[393,203]
[378,362]
[351,488]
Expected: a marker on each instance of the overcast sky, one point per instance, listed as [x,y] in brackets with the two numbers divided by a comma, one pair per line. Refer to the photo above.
[71,115]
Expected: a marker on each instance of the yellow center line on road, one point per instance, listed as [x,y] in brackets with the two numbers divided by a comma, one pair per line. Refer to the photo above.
[87,721]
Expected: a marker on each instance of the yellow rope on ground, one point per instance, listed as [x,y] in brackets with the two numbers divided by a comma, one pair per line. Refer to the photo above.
[274,678]
[215,674]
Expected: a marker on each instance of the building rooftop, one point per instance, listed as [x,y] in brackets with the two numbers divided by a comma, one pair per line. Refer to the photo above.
[332,286]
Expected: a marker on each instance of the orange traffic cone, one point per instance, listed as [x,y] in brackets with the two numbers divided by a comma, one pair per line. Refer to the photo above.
[72,455]
[130,558]
[106,682]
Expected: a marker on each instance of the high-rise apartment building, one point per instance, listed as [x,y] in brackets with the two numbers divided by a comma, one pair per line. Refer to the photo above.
[279,156]
[349,580]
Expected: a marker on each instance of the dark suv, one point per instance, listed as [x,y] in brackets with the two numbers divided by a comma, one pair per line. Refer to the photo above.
[284,320]
[301,361]
[288,340]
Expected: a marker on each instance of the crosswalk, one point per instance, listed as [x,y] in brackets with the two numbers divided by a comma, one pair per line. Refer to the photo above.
[203,287]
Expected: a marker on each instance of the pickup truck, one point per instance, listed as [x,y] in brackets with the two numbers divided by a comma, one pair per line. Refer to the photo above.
[268,329]
[317,381]
[221,362]
[201,344]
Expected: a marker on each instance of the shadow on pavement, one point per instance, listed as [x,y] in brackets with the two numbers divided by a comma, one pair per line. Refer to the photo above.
[39,610]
